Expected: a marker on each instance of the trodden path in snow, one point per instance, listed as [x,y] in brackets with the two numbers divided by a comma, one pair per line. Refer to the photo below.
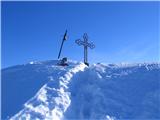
[53,99]
[97,92]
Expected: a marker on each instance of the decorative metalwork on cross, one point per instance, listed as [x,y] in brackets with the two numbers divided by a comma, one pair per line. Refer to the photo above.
[86,45]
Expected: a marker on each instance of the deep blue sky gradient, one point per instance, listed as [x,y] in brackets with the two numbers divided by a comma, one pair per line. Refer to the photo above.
[121,31]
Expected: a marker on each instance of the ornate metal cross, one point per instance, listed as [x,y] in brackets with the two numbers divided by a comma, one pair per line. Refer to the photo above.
[86,45]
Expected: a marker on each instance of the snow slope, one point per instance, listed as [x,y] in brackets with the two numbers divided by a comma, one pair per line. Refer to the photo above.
[43,90]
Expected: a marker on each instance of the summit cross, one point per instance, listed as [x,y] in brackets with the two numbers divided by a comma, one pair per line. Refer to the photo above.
[86,44]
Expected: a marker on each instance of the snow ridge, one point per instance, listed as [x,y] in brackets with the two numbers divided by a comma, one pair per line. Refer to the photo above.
[115,92]
[53,98]
[110,92]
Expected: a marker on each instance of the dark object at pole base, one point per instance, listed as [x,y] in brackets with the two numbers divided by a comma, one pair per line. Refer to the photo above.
[86,63]
[63,62]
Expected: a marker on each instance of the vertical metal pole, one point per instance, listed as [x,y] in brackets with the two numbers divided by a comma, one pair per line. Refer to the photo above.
[86,49]
[86,55]
[60,49]
[64,38]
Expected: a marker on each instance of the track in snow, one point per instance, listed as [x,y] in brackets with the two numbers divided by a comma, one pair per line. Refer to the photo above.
[53,98]
[96,92]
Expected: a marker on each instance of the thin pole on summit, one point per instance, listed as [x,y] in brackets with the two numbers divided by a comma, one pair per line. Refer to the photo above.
[64,38]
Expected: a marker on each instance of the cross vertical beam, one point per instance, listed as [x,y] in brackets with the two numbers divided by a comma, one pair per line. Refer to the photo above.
[85,37]
[85,54]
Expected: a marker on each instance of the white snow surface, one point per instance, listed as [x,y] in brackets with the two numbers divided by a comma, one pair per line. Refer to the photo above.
[110,92]
[51,101]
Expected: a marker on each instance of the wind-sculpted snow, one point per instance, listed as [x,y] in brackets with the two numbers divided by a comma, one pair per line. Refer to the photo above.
[22,82]
[116,92]
[122,91]
[53,98]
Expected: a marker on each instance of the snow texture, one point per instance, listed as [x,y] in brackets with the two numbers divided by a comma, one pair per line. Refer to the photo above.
[110,92]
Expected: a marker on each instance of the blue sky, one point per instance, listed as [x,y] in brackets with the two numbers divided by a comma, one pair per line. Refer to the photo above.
[121,31]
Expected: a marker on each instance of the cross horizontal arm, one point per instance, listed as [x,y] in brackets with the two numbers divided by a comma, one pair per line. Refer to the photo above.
[86,44]
[91,45]
[79,42]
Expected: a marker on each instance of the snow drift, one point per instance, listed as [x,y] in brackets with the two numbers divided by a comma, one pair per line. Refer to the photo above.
[43,90]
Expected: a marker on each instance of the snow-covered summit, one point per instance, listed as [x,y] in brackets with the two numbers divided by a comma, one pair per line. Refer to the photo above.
[43,90]
[22,82]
